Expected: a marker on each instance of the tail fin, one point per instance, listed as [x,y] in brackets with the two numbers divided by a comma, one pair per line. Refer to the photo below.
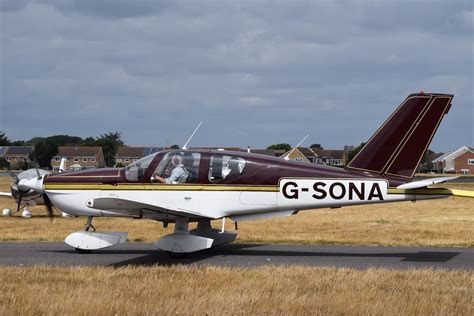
[398,145]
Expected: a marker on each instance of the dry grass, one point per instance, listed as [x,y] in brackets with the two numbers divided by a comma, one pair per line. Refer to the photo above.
[216,291]
[447,222]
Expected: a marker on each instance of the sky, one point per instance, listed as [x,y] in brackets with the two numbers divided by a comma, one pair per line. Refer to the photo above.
[255,72]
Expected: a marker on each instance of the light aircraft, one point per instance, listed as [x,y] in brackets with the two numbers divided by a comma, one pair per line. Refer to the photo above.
[182,186]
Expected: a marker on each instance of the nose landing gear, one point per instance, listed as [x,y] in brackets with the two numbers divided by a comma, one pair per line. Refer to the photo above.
[88,240]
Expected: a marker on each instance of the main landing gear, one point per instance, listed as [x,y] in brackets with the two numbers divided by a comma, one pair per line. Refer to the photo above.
[183,241]
[88,240]
[177,244]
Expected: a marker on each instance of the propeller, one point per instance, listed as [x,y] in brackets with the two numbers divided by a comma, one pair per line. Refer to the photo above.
[38,187]
[14,176]
[49,206]
[29,185]
[18,206]
[20,192]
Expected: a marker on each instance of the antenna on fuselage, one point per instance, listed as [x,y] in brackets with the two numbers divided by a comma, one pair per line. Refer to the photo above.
[62,165]
[287,157]
[189,139]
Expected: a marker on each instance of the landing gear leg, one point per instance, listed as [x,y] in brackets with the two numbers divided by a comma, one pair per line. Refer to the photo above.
[220,236]
[89,224]
[184,241]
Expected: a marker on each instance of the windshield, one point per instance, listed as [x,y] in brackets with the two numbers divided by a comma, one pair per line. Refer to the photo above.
[136,170]
[143,162]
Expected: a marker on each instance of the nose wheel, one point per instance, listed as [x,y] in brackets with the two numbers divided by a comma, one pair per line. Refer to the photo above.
[83,251]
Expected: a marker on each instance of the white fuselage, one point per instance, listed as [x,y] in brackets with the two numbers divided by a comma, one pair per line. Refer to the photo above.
[213,201]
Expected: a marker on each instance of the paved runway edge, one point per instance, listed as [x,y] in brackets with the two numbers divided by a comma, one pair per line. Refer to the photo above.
[241,255]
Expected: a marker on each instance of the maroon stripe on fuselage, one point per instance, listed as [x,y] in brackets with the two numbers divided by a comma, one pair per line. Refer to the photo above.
[408,157]
[103,175]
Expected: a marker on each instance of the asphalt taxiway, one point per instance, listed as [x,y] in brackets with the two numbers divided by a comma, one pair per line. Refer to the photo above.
[241,255]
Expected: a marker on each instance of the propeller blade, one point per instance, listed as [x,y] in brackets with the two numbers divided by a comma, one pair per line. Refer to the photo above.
[49,206]
[19,201]
[12,175]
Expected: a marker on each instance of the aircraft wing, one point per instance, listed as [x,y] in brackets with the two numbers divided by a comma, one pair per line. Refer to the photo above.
[424,183]
[5,194]
[112,203]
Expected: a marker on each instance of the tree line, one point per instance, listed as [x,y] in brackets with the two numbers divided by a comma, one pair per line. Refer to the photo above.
[47,147]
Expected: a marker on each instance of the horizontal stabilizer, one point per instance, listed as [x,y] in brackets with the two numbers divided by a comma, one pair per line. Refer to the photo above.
[462,193]
[425,183]
[433,191]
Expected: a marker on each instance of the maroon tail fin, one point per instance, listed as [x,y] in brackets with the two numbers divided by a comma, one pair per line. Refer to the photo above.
[398,145]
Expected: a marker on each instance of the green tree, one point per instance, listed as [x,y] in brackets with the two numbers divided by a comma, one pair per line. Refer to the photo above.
[4,163]
[175,147]
[283,146]
[355,151]
[60,140]
[66,140]
[109,142]
[44,151]
[35,140]
[425,163]
[316,146]
[4,141]
[89,142]
[19,143]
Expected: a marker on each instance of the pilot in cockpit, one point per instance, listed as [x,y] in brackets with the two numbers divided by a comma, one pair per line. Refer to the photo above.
[178,174]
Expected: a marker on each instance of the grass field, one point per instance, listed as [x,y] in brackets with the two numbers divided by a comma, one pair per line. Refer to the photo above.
[217,291]
[448,222]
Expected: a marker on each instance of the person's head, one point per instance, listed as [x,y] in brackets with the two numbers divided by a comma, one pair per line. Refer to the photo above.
[176,160]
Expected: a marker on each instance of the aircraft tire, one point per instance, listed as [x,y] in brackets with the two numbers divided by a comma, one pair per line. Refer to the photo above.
[176,255]
[83,251]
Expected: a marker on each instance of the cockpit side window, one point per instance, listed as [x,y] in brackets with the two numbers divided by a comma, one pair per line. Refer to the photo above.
[134,172]
[223,167]
[187,162]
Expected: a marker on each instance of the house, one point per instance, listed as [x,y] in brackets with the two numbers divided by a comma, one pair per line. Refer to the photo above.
[457,161]
[17,156]
[334,157]
[302,154]
[127,155]
[79,158]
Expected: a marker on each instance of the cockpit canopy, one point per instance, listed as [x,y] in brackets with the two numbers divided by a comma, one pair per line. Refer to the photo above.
[136,170]
[187,164]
